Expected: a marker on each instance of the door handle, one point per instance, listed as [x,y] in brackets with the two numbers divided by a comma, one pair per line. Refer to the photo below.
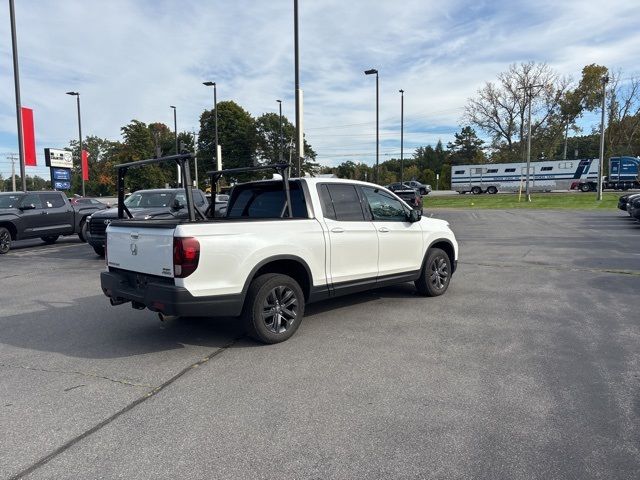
[383,229]
[337,230]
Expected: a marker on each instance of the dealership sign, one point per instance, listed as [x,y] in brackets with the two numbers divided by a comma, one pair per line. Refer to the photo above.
[58,158]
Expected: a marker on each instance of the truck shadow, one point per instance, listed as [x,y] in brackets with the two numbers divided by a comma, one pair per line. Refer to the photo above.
[91,328]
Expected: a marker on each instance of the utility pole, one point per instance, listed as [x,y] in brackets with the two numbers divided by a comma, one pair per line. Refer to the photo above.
[195,146]
[175,134]
[604,80]
[16,81]
[566,137]
[12,157]
[299,128]
[401,136]
[281,142]
[529,92]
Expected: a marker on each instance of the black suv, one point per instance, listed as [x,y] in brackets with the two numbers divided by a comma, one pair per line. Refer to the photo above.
[143,205]
[45,215]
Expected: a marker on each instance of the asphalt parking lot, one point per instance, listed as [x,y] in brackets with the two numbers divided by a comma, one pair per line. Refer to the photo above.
[529,367]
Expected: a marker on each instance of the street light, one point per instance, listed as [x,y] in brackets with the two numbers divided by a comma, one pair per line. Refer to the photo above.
[175,134]
[401,135]
[215,113]
[16,80]
[373,71]
[77,95]
[281,153]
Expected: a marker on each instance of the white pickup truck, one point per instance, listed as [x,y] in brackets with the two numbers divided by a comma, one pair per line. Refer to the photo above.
[276,250]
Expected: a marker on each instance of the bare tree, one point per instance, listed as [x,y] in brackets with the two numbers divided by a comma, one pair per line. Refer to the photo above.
[500,108]
[623,130]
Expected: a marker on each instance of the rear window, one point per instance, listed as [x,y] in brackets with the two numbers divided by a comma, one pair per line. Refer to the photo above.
[346,202]
[459,172]
[52,200]
[266,201]
[509,170]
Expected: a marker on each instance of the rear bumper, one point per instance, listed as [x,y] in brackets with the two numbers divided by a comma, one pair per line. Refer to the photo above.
[123,287]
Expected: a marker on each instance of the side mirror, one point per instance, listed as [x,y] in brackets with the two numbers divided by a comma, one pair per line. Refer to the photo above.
[30,206]
[176,205]
[414,216]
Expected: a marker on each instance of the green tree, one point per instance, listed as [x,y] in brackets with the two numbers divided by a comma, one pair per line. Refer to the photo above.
[236,135]
[466,148]
[445,177]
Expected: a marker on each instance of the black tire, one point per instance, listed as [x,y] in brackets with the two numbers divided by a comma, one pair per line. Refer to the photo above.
[82,234]
[476,190]
[585,187]
[492,190]
[99,250]
[436,274]
[286,301]
[5,240]
[50,239]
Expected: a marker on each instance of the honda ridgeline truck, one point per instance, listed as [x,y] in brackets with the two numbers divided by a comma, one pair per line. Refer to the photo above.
[281,245]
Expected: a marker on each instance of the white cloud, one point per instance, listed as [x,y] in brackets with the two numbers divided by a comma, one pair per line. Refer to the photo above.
[134,59]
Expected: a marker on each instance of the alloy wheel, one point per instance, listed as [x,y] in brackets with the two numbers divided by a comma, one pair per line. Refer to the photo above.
[439,275]
[280,309]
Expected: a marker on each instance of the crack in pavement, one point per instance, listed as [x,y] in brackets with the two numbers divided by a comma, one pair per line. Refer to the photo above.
[75,372]
[151,393]
[554,267]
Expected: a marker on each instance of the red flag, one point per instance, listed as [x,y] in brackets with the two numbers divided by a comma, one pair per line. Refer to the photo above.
[28,137]
[85,165]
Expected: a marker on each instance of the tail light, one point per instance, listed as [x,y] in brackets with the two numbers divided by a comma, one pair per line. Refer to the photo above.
[186,255]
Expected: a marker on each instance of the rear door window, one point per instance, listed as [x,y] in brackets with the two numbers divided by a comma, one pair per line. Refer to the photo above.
[32,199]
[52,200]
[346,202]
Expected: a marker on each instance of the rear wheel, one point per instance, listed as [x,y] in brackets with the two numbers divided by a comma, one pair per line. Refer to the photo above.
[5,240]
[82,234]
[99,250]
[492,190]
[585,187]
[436,274]
[50,239]
[476,190]
[274,308]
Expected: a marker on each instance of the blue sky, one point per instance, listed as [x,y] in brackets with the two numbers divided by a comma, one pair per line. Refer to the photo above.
[132,59]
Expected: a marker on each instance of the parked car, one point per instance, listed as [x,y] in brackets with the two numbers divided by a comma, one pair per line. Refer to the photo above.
[421,188]
[624,200]
[411,196]
[143,205]
[282,244]
[89,201]
[221,203]
[633,206]
[46,215]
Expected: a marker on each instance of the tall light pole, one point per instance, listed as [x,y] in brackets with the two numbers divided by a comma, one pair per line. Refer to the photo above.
[215,121]
[281,147]
[175,135]
[373,71]
[77,95]
[298,92]
[401,136]
[604,80]
[16,80]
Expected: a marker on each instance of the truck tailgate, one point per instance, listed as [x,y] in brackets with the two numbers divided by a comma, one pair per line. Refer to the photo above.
[143,250]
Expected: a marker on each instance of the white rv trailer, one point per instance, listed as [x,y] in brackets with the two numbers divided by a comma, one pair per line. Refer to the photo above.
[544,175]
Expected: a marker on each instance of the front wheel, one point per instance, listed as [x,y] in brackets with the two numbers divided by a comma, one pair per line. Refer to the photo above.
[5,240]
[492,190]
[50,239]
[476,190]
[274,308]
[436,274]
[585,187]
[99,250]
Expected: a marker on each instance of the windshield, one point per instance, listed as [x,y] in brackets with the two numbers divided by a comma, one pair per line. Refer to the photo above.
[149,199]
[9,201]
